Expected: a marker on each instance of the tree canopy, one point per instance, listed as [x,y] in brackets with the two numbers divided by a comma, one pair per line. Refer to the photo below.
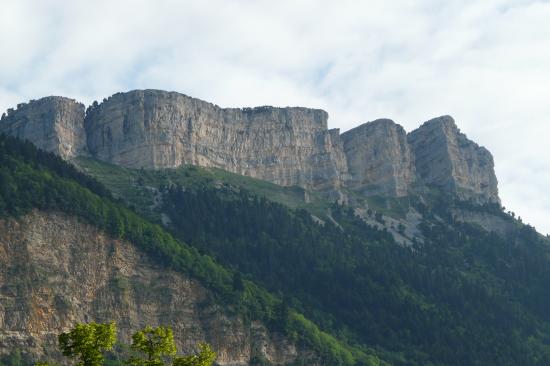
[155,343]
[87,342]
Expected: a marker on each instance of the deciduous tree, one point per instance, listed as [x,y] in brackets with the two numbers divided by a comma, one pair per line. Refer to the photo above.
[87,342]
[155,344]
[205,357]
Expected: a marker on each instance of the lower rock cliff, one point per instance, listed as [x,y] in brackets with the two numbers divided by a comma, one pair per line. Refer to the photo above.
[56,271]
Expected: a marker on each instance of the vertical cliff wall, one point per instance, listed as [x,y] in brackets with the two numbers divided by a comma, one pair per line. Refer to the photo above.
[379,159]
[157,129]
[445,158]
[54,124]
[56,271]
[287,146]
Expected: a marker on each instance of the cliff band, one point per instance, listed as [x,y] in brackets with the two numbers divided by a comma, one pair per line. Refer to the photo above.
[156,129]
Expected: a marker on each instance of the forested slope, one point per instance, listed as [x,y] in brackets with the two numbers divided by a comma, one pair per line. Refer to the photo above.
[459,295]
[463,296]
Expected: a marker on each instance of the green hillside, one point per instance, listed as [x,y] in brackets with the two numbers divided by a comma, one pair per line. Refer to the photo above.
[140,187]
[463,296]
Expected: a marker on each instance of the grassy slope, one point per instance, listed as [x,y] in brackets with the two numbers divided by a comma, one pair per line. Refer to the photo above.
[138,187]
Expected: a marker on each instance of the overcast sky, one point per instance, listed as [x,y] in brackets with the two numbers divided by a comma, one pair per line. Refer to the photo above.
[486,63]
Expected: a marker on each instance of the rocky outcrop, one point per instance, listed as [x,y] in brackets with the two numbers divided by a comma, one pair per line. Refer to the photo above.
[379,159]
[499,224]
[288,146]
[55,271]
[446,159]
[157,129]
[54,124]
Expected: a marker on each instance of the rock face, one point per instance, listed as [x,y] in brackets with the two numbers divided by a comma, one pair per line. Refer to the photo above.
[379,159]
[54,124]
[446,159]
[55,271]
[157,129]
[288,146]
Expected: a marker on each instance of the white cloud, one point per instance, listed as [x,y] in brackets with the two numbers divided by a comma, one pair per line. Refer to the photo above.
[487,63]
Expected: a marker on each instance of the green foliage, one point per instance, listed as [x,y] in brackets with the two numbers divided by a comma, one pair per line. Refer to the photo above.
[461,286]
[205,357]
[14,358]
[140,187]
[87,342]
[155,343]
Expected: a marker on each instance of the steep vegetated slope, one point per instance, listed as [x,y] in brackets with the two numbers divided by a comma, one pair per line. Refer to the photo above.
[31,179]
[460,294]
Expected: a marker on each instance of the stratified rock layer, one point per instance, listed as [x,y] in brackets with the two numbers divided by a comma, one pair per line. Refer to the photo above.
[157,129]
[379,159]
[56,271]
[54,124]
[445,158]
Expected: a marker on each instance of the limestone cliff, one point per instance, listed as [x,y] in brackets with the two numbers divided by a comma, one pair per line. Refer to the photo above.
[158,129]
[445,158]
[54,124]
[55,271]
[379,159]
[287,146]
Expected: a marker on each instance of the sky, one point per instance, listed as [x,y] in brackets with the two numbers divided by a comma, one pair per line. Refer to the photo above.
[486,63]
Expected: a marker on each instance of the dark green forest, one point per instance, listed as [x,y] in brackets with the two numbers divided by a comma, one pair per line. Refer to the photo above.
[461,296]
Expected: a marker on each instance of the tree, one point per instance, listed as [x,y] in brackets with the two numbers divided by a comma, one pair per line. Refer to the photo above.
[87,342]
[15,358]
[155,343]
[205,357]
[238,284]
[401,228]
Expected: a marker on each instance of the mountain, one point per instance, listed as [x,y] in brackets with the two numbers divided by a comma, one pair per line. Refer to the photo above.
[58,270]
[70,253]
[374,246]
[155,129]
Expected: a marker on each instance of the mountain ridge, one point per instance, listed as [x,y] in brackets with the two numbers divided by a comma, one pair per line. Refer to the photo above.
[287,146]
